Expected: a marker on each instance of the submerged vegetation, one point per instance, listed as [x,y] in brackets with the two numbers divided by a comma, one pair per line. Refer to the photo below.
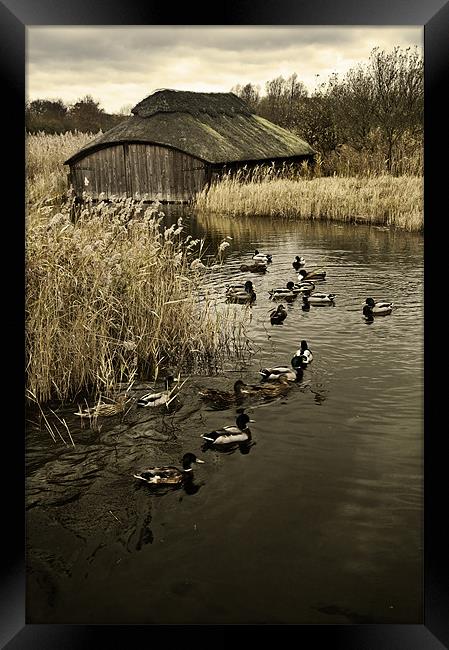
[386,200]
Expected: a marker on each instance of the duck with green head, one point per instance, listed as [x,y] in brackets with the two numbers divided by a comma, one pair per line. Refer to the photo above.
[265,258]
[284,293]
[293,373]
[373,308]
[230,434]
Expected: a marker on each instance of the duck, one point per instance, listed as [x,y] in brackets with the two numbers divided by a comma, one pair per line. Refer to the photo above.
[298,261]
[266,258]
[222,397]
[159,398]
[377,308]
[233,288]
[287,292]
[315,274]
[169,475]
[278,315]
[305,353]
[319,298]
[247,294]
[101,409]
[254,268]
[268,389]
[306,286]
[230,434]
[292,373]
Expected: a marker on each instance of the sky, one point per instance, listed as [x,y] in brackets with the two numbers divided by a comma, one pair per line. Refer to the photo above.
[119,66]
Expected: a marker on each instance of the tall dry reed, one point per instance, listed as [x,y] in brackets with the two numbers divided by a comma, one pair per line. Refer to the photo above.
[45,171]
[111,297]
[386,200]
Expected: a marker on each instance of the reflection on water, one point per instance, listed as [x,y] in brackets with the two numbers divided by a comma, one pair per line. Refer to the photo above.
[318,520]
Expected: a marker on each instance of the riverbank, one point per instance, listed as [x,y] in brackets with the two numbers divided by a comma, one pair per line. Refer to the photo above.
[380,200]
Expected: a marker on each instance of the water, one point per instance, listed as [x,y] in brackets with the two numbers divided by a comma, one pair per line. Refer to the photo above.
[321,522]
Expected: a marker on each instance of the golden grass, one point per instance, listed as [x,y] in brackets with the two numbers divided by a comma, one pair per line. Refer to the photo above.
[386,200]
[111,297]
[45,170]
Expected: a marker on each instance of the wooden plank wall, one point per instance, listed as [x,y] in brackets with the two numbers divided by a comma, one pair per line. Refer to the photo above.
[143,171]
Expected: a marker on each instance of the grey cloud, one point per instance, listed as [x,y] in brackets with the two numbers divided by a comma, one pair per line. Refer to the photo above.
[63,60]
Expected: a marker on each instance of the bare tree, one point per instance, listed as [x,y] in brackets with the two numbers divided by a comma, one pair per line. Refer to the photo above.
[398,103]
[250,95]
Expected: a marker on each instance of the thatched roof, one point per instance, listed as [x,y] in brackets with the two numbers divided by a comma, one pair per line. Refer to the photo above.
[214,127]
[186,101]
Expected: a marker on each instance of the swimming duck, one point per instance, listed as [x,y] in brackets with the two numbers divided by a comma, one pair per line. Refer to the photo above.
[292,373]
[298,261]
[284,292]
[319,298]
[314,274]
[303,287]
[160,398]
[254,268]
[278,315]
[304,352]
[266,258]
[102,409]
[169,475]
[247,294]
[268,389]
[222,397]
[379,308]
[230,434]
[233,288]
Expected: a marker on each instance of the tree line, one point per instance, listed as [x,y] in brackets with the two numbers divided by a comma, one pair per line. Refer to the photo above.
[54,116]
[370,119]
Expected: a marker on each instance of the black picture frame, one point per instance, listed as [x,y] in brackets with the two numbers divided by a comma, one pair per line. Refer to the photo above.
[15,16]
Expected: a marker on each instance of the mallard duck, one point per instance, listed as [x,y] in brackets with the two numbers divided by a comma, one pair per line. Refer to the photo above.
[266,258]
[222,397]
[304,352]
[313,274]
[233,288]
[287,292]
[292,373]
[304,287]
[158,398]
[298,261]
[247,294]
[319,298]
[101,409]
[268,389]
[230,434]
[254,268]
[378,308]
[169,475]
[278,315]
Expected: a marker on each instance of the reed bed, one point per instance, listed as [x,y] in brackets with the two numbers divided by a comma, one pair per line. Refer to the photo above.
[45,170]
[111,297]
[382,200]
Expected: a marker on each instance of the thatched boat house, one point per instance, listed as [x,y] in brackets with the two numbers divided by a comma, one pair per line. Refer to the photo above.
[174,143]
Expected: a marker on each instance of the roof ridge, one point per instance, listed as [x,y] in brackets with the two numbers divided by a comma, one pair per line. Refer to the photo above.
[169,100]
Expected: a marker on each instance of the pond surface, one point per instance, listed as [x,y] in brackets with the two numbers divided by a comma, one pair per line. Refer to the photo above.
[321,522]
